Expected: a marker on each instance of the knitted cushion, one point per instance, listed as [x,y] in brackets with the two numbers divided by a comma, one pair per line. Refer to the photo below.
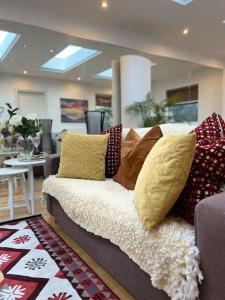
[208,170]
[112,160]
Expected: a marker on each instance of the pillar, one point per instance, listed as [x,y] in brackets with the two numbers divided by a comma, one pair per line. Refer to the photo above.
[116,93]
[135,72]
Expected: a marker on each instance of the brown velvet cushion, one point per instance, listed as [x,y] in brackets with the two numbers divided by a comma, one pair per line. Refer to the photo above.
[129,143]
[133,159]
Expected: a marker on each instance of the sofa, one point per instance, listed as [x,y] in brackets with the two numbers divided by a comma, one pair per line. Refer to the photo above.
[209,229]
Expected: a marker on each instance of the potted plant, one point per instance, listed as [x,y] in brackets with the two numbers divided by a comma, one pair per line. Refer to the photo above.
[150,111]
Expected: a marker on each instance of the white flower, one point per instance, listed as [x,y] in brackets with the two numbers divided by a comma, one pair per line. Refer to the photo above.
[10,128]
[15,120]
[32,116]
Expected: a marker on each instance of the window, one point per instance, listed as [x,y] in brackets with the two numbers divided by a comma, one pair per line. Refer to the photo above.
[107,74]
[69,58]
[183,104]
[7,41]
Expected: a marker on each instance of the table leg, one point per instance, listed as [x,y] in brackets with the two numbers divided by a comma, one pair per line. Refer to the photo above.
[24,190]
[31,187]
[11,197]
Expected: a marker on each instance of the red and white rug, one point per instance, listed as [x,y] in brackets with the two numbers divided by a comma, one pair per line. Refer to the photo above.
[37,264]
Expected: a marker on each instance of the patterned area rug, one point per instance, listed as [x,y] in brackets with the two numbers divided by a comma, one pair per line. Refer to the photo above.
[37,264]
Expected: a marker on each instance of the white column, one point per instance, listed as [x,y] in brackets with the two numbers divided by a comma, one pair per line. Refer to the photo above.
[116,93]
[135,84]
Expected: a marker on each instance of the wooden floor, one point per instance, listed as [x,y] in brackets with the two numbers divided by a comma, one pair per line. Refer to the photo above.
[41,209]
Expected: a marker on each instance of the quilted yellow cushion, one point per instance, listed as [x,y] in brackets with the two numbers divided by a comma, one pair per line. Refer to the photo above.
[163,176]
[83,156]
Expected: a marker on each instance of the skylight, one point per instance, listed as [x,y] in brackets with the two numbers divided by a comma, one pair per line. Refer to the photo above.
[68,51]
[183,2]
[7,41]
[107,74]
[69,58]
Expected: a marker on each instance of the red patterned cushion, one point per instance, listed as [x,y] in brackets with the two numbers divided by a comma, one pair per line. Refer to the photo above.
[206,176]
[112,161]
[208,170]
[211,128]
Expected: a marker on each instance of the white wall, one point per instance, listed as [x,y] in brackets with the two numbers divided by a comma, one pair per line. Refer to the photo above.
[210,83]
[54,90]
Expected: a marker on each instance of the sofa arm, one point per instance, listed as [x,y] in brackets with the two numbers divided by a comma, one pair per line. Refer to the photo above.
[210,238]
[52,164]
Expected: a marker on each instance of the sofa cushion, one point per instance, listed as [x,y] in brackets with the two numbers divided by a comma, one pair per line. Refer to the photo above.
[212,127]
[163,177]
[129,143]
[83,156]
[208,170]
[206,177]
[132,163]
[112,160]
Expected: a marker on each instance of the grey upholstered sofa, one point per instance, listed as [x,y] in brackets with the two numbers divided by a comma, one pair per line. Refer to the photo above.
[210,239]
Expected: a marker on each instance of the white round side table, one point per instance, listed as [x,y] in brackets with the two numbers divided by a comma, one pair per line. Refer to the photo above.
[9,174]
[27,164]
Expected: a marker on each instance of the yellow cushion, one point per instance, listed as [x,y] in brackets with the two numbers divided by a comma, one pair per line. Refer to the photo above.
[83,156]
[163,176]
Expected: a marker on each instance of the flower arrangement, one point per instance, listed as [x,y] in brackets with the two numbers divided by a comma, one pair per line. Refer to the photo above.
[25,126]
[17,124]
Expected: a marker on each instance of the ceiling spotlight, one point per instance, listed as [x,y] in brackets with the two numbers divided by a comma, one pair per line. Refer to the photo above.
[104,3]
[78,78]
[185,31]
[25,72]
[51,51]
[24,45]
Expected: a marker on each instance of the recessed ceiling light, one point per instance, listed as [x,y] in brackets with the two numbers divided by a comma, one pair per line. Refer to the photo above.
[25,72]
[104,4]
[183,2]
[24,45]
[7,41]
[78,78]
[185,31]
[51,51]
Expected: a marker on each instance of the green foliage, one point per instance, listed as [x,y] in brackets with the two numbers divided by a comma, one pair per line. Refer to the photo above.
[28,127]
[150,111]
[11,111]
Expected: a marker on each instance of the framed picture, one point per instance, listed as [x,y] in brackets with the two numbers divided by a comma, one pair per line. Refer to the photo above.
[72,110]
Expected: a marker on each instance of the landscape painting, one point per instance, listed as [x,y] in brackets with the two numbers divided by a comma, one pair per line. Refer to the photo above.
[72,110]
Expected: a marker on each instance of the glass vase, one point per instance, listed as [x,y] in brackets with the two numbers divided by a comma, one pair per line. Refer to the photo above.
[24,147]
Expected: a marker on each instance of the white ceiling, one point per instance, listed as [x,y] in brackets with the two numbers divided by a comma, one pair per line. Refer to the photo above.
[162,19]
[37,51]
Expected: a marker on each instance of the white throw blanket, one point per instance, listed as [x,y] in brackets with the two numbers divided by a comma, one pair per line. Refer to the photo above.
[168,253]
